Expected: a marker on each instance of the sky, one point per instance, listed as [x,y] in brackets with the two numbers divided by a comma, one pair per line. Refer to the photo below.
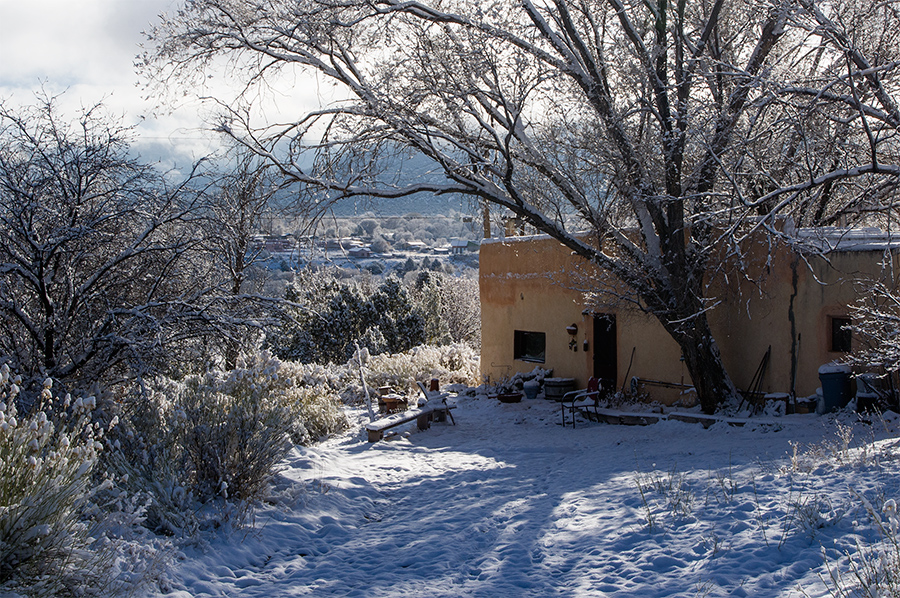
[87,49]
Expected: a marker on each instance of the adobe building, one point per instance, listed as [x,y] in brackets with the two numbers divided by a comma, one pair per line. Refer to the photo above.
[534,313]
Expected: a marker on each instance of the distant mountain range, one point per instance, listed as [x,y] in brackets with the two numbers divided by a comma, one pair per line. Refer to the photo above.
[402,168]
[426,205]
[399,167]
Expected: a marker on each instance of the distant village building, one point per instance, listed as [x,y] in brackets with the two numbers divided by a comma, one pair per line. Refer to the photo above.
[459,246]
[793,307]
[341,244]
[417,246]
[274,243]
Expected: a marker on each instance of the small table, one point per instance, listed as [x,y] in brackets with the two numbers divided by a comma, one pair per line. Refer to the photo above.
[393,402]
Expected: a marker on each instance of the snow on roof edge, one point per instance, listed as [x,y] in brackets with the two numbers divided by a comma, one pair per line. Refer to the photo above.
[827,238]
[832,238]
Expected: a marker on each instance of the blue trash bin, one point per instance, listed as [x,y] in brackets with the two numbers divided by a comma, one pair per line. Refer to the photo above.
[835,381]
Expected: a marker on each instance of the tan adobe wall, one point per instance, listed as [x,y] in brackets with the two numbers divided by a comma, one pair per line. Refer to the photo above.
[532,284]
[527,286]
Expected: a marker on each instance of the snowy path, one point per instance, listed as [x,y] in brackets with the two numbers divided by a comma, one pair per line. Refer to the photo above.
[508,503]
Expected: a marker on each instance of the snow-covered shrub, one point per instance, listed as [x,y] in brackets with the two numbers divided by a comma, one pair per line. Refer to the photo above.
[235,427]
[311,391]
[220,434]
[318,414]
[148,461]
[332,378]
[46,461]
[451,364]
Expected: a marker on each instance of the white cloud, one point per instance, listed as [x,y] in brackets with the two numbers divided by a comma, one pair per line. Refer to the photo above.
[87,48]
[66,42]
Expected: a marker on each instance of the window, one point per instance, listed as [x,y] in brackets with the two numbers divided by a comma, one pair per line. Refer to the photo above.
[840,334]
[529,346]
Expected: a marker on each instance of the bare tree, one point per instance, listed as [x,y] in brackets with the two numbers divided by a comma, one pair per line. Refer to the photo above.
[668,130]
[876,323]
[237,206]
[103,273]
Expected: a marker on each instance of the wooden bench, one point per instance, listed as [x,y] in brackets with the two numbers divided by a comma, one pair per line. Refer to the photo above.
[431,411]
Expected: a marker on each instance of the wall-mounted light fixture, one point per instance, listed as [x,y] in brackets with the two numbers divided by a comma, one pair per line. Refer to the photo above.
[572,329]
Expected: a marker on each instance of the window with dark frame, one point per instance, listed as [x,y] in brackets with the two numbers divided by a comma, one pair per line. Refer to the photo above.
[529,346]
[840,334]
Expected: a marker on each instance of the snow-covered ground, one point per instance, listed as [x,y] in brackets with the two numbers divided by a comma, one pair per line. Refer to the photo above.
[509,503]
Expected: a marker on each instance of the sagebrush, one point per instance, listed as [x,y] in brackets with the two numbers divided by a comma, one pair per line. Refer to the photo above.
[220,434]
[46,462]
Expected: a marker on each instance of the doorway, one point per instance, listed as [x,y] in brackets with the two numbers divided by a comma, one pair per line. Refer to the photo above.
[605,354]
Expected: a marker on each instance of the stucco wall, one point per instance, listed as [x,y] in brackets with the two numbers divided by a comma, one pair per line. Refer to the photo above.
[532,284]
[527,285]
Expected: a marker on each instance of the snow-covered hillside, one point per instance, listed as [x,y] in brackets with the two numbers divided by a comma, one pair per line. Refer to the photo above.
[509,503]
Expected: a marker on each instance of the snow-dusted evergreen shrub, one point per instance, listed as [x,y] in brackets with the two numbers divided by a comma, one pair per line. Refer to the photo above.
[426,295]
[333,315]
[46,461]
[399,323]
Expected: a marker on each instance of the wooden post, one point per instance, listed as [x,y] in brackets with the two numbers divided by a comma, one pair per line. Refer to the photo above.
[362,379]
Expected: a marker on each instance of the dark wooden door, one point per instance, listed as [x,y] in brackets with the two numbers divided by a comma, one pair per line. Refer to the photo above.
[605,354]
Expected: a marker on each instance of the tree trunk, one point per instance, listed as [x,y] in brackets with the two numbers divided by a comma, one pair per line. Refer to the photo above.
[49,352]
[703,361]
[232,350]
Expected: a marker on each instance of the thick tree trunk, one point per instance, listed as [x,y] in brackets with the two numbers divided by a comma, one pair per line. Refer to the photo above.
[703,361]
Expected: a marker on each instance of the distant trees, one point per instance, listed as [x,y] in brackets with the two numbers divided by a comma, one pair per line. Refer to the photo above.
[380,245]
[369,226]
[396,229]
